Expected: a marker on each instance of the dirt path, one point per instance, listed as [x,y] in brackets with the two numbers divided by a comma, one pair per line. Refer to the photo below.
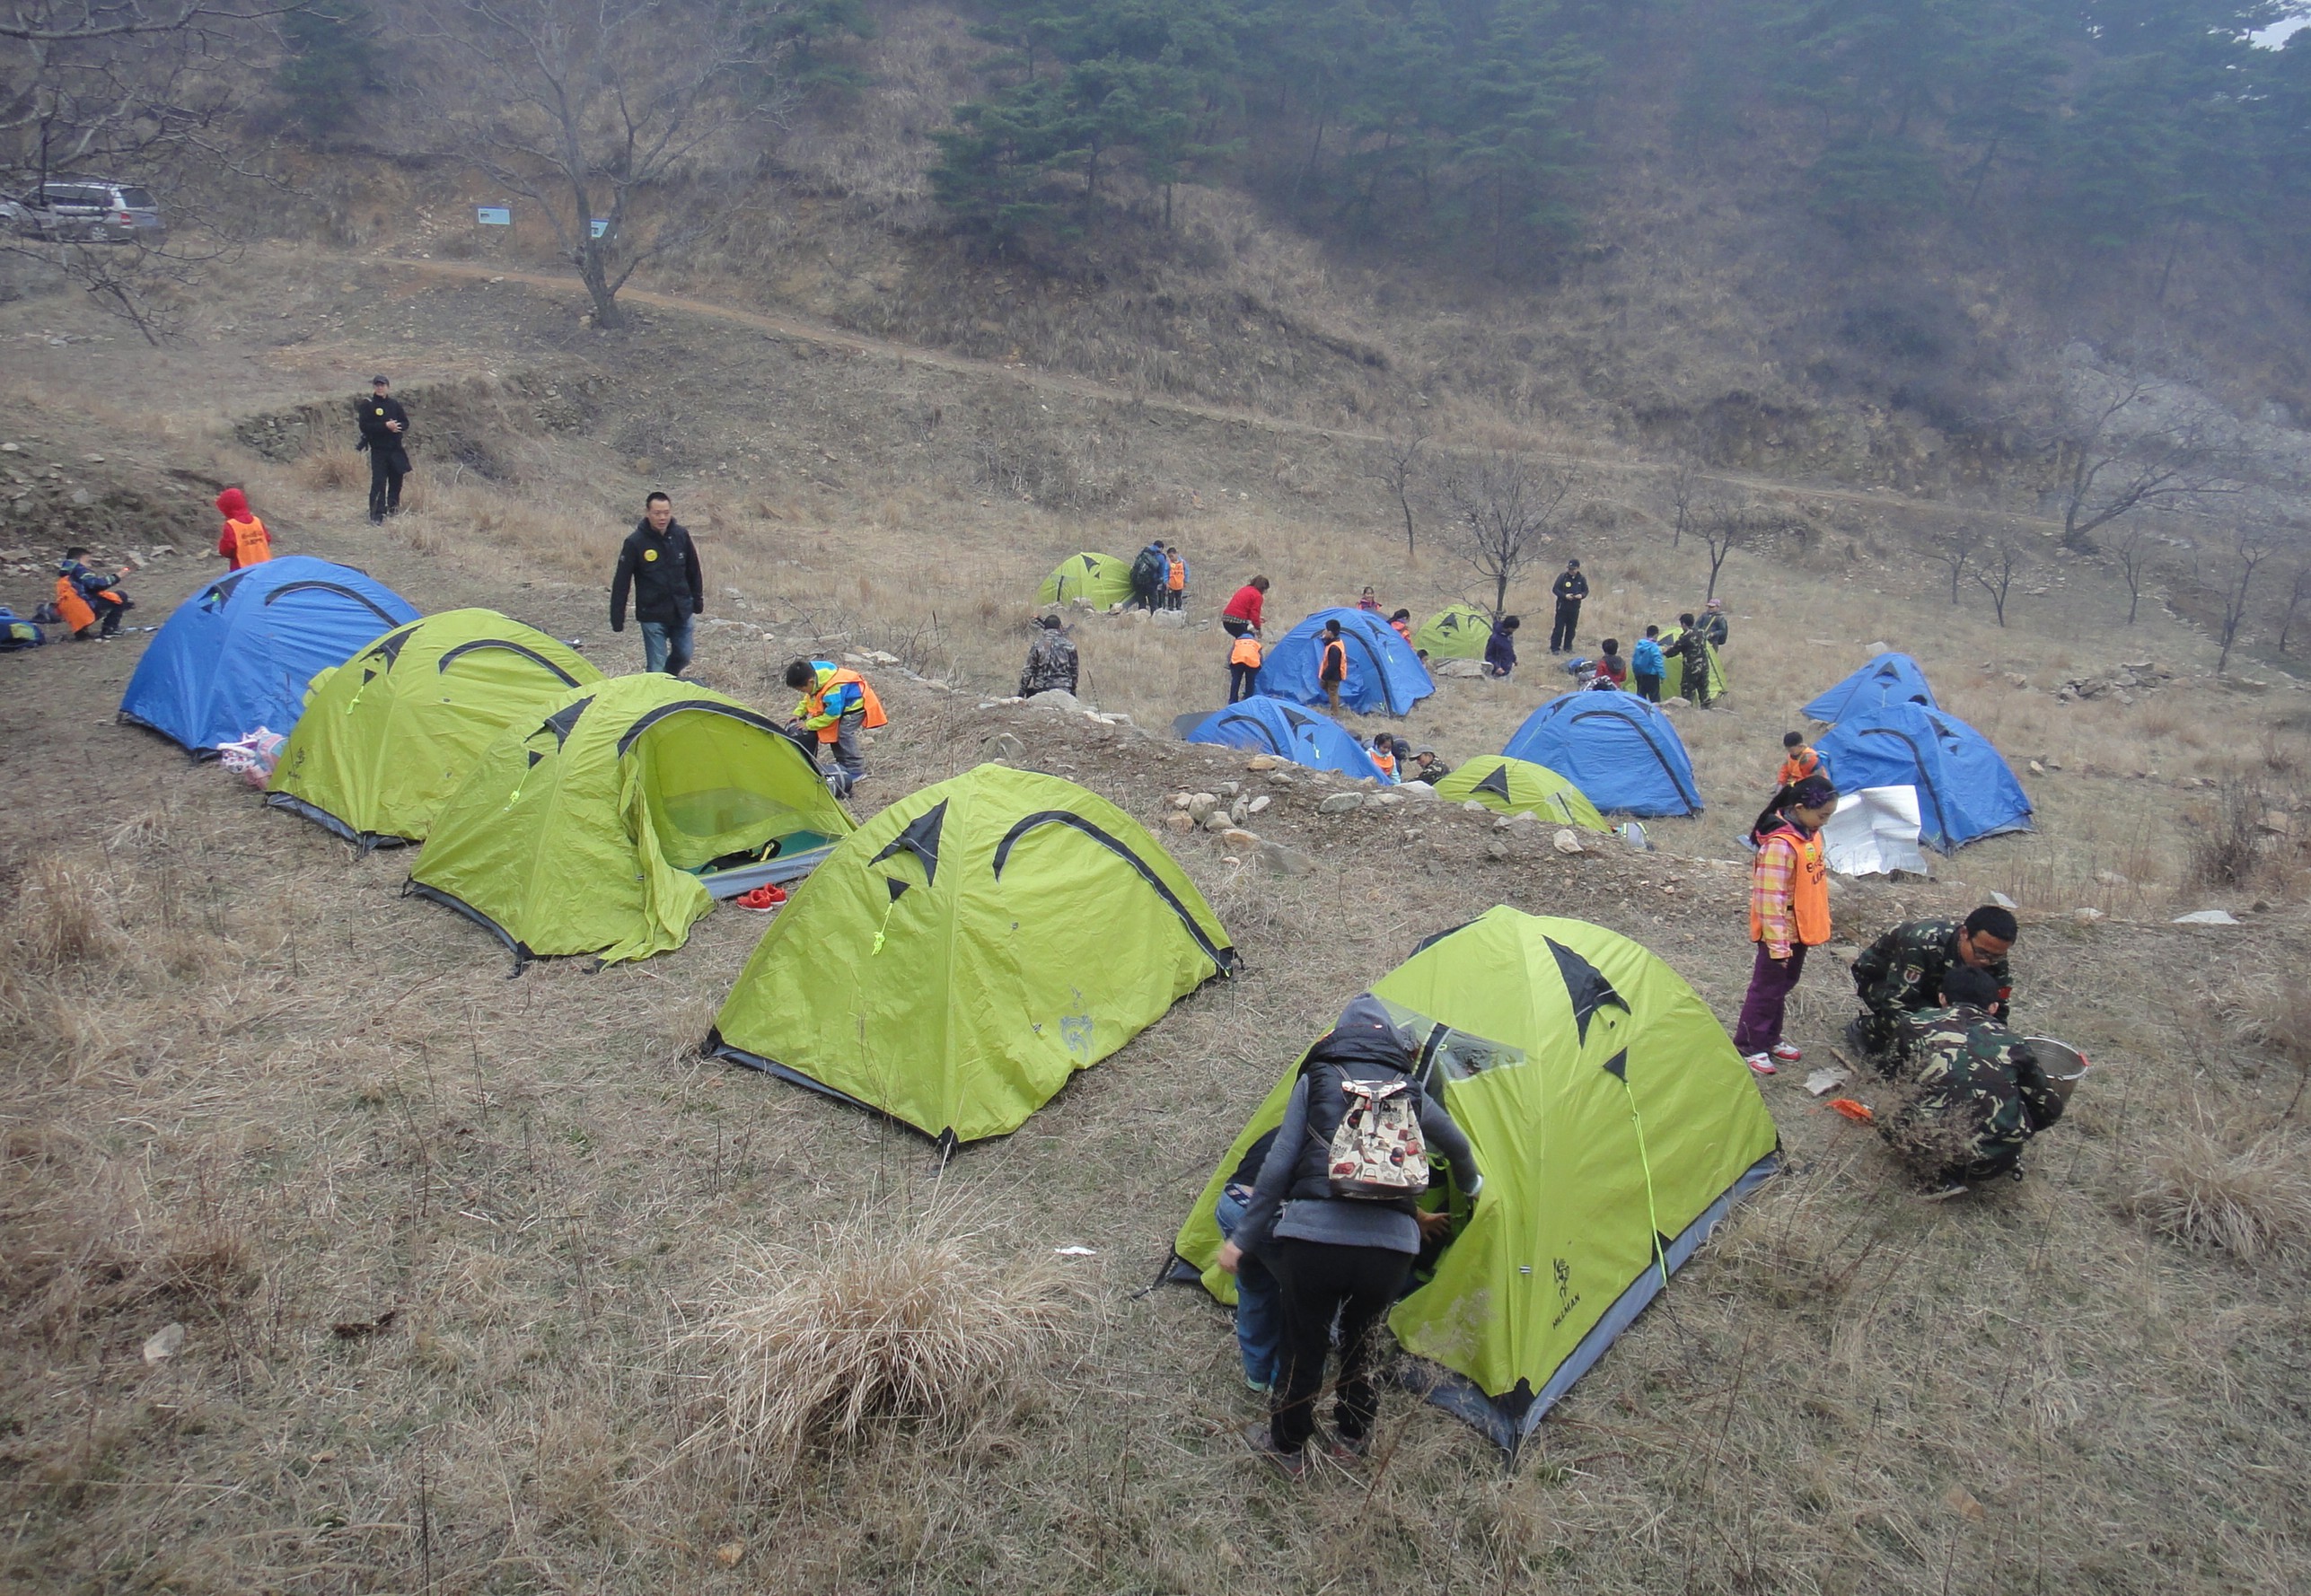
[1089,387]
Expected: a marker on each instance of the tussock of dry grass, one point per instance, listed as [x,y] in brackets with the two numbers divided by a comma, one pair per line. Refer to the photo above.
[61,916]
[2248,1195]
[891,1317]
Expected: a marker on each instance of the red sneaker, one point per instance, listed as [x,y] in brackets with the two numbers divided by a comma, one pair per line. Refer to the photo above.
[762,899]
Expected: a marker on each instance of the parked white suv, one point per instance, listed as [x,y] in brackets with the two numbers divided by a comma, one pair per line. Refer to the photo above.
[86,210]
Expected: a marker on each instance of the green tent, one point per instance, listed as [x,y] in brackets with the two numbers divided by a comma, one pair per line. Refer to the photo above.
[1519,786]
[1455,632]
[387,736]
[1103,579]
[968,949]
[1615,1126]
[612,818]
[1672,678]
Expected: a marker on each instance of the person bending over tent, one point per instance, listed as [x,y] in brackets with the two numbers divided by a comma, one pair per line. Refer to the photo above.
[1334,1216]
[1788,912]
[1243,658]
[1051,662]
[243,541]
[837,705]
[1977,1092]
[1241,614]
[1902,971]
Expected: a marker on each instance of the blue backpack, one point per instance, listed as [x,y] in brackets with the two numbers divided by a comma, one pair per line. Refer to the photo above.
[1645,659]
[16,633]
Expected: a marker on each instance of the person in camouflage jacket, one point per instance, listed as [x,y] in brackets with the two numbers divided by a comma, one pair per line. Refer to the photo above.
[1976,1093]
[1904,971]
[1052,663]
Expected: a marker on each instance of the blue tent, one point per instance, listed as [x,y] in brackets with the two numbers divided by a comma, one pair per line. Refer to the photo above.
[1889,678]
[1384,673]
[1965,791]
[239,654]
[1622,753]
[1272,726]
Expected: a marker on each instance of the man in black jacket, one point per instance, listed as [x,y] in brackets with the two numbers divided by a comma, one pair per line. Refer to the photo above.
[1570,588]
[661,565]
[384,434]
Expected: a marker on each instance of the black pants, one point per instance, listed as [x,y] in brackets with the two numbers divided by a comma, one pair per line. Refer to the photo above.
[1648,688]
[109,611]
[1234,626]
[1569,620]
[1317,1280]
[1243,680]
[387,466]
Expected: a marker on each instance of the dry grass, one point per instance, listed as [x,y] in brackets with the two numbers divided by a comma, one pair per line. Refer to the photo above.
[61,916]
[2244,1192]
[919,1318]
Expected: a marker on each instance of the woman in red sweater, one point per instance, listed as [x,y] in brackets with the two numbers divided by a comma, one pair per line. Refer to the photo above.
[1243,612]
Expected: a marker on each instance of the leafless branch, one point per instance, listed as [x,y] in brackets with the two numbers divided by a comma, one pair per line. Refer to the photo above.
[1507,509]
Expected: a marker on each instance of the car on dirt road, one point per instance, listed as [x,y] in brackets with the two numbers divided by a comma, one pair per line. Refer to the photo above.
[86,210]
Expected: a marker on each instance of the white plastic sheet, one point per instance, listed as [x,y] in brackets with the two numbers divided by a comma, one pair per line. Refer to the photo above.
[1874,831]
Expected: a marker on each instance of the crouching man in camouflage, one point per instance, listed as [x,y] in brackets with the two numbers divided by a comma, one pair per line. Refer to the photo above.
[1974,1092]
[1052,663]
[1902,971]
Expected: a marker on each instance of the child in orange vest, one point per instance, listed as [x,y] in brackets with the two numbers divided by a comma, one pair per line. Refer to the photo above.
[1383,755]
[1175,577]
[244,541]
[1244,666]
[1788,912]
[1800,761]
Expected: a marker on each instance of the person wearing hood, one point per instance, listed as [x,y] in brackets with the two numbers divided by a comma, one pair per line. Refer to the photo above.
[1337,1256]
[244,541]
[660,565]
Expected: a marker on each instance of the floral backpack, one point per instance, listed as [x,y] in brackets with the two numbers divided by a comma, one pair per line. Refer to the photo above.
[1378,1151]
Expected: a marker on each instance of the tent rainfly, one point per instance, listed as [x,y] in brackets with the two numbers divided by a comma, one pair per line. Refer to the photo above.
[1455,632]
[1517,787]
[1385,676]
[1624,753]
[1273,726]
[1102,578]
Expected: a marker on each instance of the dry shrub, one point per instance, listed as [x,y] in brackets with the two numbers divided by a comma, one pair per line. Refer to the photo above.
[2225,843]
[2247,1195]
[61,916]
[893,1317]
[333,469]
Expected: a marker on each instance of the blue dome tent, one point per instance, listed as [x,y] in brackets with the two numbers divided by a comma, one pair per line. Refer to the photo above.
[1272,726]
[1889,678]
[240,652]
[1383,672]
[1622,753]
[1965,791]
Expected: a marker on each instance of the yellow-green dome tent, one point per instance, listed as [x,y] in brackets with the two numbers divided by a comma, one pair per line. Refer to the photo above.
[610,820]
[1102,578]
[1672,678]
[386,737]
[1519,786]
[961,955]
[1455,632]
[1615,1126]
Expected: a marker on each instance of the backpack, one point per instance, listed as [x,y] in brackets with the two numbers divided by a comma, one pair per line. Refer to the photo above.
[15,634]
[1647,660]
[1148,572]
[1378,1151]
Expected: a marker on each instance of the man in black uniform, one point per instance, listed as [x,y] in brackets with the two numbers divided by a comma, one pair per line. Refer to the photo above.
[660,565]
[1570,588]
[384,433]
[1902,972]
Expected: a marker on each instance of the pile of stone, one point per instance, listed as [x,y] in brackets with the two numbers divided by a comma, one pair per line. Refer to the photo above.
[2125,683]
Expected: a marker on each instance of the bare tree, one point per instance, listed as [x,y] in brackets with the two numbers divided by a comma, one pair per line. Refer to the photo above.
[2251,546]
[1954,551]
[1399,458]
[2121,442]
[1684,486]
[582,107]
[1724,528]
[2133,551]
[1994,573]
[2299,588]
[1508,508]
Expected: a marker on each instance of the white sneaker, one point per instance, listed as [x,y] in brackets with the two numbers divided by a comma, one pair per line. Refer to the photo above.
[1786,1054]
[1760,1064]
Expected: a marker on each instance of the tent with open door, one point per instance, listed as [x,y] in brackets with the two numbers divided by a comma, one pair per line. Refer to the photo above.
[1455,632]
[240,651]
[961,955]
[1102,578]
[1272,726]
[1615,1126]
[1385,676]
[612,818]
[1889,678]
[1517,787]
[1967,791]
[1673,675]
[1624,753]
[387,736]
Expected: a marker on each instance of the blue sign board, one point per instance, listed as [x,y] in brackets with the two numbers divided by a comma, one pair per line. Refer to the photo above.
[600,225]
[493,215]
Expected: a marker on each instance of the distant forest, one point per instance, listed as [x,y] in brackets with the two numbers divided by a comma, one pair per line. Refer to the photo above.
[1485,127]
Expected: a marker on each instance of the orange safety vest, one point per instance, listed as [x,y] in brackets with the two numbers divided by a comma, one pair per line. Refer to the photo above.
[1246,652]
[1794,771]
[1332,651]
[72,606]
[814,704]
[1809,888]
[1388,762]
[1403,630]
[1179,575]
[252,545]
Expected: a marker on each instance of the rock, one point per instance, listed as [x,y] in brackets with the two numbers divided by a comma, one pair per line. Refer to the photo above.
[2086,916]
[1283,860]
[1006,748]
[2053,764]
[1181,799]
[1495,849]
[1257,804]
[81,496]
[2036,768]
[2206,916]
[2002,901]
[1200,805]
[1678,703]
[1237,837]
[1263,762]
[1565,842]
[1227,789]
[1171,618]
[1388,798]
[1467,670]
[1340,803]
[1475,807]
[2277,822]
[1418,789]
[1056,701]
[1219,819]
[1180,821]
[165,1343]
[2112,878]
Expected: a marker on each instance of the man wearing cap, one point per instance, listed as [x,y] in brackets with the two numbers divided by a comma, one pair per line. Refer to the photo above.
[1976,1091]
[1570,588]
[1713,623]
[1051,662]
[384,434]
[1902,971]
